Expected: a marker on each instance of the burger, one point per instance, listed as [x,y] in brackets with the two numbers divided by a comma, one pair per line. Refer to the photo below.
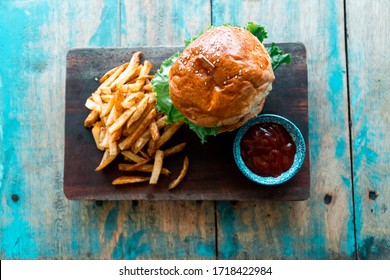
[220,80]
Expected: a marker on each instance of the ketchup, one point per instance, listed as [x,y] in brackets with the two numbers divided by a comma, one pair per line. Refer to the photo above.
[268,149]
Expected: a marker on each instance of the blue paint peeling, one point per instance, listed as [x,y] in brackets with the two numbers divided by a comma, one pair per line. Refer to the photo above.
[106,34]
[206,250]
[19,32]
[111,224]
[287,243]
[123,21]
[179,24]
[117,253]
[223,11]
[335,71]
[134,248]
[84,239]
[350,236]
[335,96]
[341,147]
[228,221]
[346,181]
[75,242]
[314,136]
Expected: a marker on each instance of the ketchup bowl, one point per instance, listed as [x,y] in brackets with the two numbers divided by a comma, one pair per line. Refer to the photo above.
[269,149]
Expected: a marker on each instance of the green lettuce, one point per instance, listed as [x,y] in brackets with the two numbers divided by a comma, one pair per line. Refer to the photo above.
[257,30]
[278,56]
[160,82]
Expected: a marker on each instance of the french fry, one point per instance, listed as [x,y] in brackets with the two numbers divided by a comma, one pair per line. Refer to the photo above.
[113,148]
[132,99]
[141,142]
[131,139]
[111,117]
[133,87]
[140,109]
[181,176]
[145,155]
[119,98]
[116,135]
[145,77]
[96,135]
[105,143]
[162,121]
[119,122]
[113,76]
[175,149]
[105,90]
[124,89]
[133,78]
[158,163]
[130,130]
[132,156]
[152,147]
[108,109]
[153,129]
[103,131]
[128,72]
[131,167]
[108,74]
[124,120]
[142,76]
[106,97]
[129,180]
[106,160]
[112,71]
[91,105]
[147,87]
[96,98]
[168,133]
[91,118]
[149,168]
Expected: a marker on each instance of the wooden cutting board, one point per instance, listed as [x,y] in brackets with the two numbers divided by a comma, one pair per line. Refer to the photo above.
[213,174]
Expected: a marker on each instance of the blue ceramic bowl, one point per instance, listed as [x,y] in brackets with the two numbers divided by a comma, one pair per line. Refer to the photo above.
[296,136]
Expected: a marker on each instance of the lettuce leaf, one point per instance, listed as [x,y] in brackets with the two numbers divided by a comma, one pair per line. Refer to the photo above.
[257,30]
[160,82]
[278,56]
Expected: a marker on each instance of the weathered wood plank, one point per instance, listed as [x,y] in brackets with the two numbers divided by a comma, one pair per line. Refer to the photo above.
[156,23]
[369,71]
[171,229]
[35,213]
[322,227]
[37,221]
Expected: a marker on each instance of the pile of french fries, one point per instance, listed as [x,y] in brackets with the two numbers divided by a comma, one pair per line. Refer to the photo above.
[125,121]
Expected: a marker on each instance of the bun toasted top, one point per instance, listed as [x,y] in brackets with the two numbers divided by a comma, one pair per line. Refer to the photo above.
[232,91]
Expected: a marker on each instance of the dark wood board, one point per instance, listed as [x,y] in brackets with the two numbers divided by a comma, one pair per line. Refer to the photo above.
[213,174]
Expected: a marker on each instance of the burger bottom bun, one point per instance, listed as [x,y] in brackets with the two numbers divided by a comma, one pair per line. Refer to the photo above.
[243,119]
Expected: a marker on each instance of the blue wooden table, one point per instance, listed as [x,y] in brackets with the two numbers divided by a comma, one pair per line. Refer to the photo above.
[347,215]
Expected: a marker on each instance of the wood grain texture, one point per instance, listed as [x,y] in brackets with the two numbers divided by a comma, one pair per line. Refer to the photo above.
[154,23]
[159,23]
[369,70]
[213,174]
[37,220]
[322,227]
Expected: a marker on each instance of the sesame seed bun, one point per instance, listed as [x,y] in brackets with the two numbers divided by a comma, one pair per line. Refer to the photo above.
[228,85]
